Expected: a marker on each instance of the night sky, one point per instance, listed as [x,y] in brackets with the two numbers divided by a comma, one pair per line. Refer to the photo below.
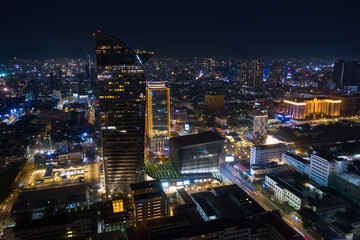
[233,28]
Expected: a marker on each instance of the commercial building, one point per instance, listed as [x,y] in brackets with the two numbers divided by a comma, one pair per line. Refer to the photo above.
[196,153]
[121,86]
[322,165]
[158,116]
[214,101]
[267,153]
[259,123]
[285,192]
[350,104]
[300,164]
[259,171]
[346,73]
[226,201]
[78,226]
[40,198]
[268,226]
[302,108]
[252,73]
[150,201]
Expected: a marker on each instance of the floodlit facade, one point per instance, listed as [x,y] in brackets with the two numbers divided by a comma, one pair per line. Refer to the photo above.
[158,116]
[266,153]
[300,109]
[121,85]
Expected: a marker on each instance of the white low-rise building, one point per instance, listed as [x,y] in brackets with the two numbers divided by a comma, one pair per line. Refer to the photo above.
[301,164]
[322,165]
[267,153]
[285,192]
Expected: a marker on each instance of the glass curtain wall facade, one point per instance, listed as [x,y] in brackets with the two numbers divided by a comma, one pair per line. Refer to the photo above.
[121,86]
[158,116]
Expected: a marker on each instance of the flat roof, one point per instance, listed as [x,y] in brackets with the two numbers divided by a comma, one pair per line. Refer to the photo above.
[203,228]
[196,139]
[350,177]
[185,196]
[268,146]
[146,184]
[298,158]
[286,185]
[329,157]
[52,192]
[229,201]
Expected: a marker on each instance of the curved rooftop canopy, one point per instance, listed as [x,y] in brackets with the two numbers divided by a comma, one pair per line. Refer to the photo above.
[112,51]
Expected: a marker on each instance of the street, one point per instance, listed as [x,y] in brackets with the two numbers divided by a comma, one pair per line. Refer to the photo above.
[20,180]
[230,174]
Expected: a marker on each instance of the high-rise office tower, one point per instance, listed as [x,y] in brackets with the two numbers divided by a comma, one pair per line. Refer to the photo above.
[346,73]
[158,116]
[121,86]
[252,73]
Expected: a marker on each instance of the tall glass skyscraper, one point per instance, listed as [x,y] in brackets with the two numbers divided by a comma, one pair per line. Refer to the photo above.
[158,116]
[121,85]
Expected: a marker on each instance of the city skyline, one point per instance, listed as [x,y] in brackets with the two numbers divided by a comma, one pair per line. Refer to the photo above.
[186,29]
[246,124]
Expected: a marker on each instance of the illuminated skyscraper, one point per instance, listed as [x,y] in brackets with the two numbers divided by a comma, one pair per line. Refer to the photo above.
[252,73]
[158,116]
[121,84]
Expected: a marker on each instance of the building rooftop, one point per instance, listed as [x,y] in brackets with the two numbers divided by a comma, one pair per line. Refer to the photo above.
[351,177]
[298,158]
[284,185]
[145,184]
[203,228]
[185,196]
[196,139]
[257,113]
[268,146]
[329,157]
[229,201]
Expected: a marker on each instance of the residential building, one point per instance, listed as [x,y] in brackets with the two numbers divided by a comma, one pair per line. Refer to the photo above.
[150,201]
[259,123]
[322,165]
[252,73]
[196,153]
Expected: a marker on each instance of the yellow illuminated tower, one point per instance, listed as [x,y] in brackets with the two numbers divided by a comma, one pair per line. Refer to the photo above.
[158,116]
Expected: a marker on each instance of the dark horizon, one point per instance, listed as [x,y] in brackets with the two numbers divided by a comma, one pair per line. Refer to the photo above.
[320,29]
